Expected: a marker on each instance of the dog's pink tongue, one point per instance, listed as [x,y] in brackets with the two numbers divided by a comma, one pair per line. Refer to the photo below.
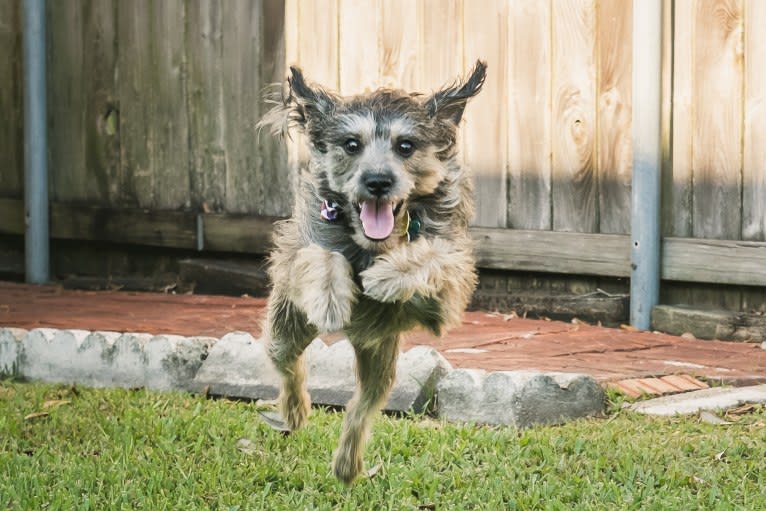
[377,219]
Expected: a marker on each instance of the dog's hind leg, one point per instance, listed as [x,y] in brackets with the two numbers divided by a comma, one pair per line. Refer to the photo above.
[376,369]
[289,333]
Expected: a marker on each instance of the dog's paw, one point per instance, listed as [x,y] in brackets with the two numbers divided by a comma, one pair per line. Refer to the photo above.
[383,283]
[323,287]
[392,278]
[346,466]
[295,408]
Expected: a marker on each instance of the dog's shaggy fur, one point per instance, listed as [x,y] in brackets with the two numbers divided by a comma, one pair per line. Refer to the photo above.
[390,250]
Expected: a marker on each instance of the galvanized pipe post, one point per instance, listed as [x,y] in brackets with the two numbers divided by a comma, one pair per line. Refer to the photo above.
[37,258]
[647,162]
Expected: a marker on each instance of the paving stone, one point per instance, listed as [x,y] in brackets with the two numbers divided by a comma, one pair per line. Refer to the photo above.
[719,398]
[172,361]
[670,384]
[332,375]
[102,359]
[11,345]
[60,356]
[238,366]
[418,372]
[520,398]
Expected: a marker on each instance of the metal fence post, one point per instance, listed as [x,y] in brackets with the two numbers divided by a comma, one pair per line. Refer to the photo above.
[37,257]
[647,163]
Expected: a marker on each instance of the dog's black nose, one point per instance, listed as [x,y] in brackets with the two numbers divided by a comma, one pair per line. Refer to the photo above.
[377,184]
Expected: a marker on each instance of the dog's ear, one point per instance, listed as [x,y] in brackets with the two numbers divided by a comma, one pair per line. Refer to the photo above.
[449,103]
[307,101]
[295,104]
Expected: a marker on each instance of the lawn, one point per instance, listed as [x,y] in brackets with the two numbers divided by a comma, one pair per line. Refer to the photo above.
[78,448]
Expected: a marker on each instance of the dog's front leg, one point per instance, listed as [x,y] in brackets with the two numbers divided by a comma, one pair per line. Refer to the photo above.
[418,268]
[322,285]
[376,369]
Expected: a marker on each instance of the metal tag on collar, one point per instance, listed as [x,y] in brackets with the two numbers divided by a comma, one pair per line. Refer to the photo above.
[329,211]
[411,226]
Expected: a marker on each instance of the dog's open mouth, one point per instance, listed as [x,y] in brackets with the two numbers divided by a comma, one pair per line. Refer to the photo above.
[378,217]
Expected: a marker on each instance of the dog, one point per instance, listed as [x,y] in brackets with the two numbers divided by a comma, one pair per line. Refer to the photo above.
[378,241]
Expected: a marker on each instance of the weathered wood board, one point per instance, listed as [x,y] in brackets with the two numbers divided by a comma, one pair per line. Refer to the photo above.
[11,100]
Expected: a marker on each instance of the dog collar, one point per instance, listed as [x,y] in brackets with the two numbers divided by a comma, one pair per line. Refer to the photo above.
[329,211]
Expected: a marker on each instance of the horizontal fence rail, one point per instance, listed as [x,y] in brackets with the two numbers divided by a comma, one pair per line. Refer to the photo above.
[607,255]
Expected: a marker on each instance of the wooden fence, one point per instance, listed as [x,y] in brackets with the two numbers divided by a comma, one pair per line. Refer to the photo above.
[153,106]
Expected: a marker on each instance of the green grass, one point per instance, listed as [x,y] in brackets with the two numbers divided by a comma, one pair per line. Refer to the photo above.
[122,449]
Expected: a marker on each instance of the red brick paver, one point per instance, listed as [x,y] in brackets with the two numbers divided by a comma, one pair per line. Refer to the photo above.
[485,341]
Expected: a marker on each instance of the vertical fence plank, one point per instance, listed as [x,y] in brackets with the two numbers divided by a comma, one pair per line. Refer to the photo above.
[66,101]
[270,66]
[250,186]
[666,202]
[153,126]
[82,98]
[360,48]
[754,163]
[400,36]
[101,122]
[717,131]
[615,152]
[575,182]
[486,132]
[529,119]
[11,136]
[205,98]
[717,134]
[677,198]
[440,50]
[318,41]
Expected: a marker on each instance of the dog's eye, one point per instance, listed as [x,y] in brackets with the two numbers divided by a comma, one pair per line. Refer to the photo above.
[405,148]
[352,146]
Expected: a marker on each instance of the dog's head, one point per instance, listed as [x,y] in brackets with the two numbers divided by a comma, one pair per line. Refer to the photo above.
[377,151]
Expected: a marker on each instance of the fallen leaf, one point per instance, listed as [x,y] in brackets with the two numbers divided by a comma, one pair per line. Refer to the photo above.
[719,456]
[698,480]
[55,403]
[373,471]
[275,422]
[36,415]
[629,328]
[742,410]
[712,418]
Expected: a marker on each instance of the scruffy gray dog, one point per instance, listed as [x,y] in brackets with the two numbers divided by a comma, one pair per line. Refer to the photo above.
[378,241]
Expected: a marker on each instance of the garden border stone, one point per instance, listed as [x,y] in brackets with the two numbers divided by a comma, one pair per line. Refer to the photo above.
[237,365]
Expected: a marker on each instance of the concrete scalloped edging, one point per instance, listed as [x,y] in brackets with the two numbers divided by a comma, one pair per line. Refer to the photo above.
[237,365]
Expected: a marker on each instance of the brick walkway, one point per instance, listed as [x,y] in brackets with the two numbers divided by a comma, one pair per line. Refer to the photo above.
[486,341]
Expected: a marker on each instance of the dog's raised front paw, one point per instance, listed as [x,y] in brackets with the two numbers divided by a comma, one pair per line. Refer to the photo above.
[383,283]
[323,287]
